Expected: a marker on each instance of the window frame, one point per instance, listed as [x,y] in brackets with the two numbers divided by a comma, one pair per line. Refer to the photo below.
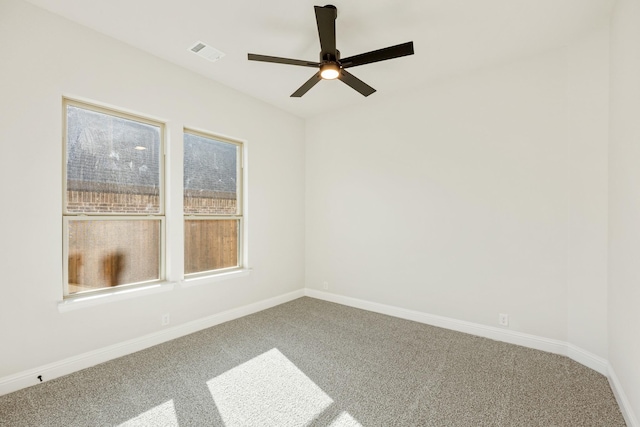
[112,216]
[239,215]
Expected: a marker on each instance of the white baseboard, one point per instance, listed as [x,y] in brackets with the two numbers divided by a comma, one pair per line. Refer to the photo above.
[623,401]
[72,364]
[590,360]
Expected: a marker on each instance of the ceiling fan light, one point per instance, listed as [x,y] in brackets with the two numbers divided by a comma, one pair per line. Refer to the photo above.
[329,71]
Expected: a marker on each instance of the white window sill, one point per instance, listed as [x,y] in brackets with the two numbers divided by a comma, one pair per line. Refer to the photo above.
[203,280]
[83,301]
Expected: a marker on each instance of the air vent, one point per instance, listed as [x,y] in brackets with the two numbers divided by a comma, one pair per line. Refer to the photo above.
[207,52]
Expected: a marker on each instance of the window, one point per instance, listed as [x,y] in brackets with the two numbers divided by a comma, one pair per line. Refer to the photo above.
[113,210]
[212,204]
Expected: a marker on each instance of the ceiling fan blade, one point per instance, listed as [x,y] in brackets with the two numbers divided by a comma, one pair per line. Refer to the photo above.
[326,20]
[308,85]
[356,83]
[278,60]
[391,52]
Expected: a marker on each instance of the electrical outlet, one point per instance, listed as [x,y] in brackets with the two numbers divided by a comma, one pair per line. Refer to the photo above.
[503,319]
[325,285]
[166,319]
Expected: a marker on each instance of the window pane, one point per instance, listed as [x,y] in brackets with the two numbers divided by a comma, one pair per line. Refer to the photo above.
[113,164]
[210,176]
[106,253]
[210,244]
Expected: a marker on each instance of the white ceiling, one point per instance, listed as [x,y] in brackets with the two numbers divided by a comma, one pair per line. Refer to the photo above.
[450,36]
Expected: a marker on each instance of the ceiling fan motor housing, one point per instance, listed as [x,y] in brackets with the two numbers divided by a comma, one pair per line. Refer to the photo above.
[330,57]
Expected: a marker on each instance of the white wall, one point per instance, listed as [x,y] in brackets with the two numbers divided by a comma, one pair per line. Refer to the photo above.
[450,200]
[483,194]
[45,57]
[624,200]
[588,124]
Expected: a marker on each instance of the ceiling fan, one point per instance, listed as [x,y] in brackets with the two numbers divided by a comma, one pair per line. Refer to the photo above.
[331,66]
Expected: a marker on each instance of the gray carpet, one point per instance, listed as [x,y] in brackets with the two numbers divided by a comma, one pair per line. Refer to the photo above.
[314,363]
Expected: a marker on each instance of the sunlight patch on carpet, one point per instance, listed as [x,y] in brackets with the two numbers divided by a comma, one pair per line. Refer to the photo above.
[268,390]
[161,415]
[345,420]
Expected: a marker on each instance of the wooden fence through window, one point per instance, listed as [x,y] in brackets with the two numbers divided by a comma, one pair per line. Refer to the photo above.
[104,253]
[210,244]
